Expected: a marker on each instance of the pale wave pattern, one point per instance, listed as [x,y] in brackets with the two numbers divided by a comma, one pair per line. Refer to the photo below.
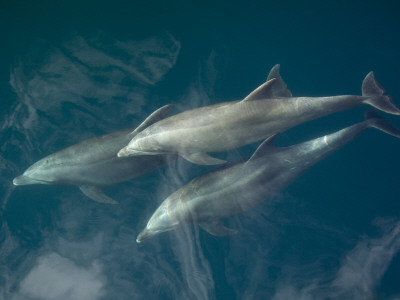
[68,247]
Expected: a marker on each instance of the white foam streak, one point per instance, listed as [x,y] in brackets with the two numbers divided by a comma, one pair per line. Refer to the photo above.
[364,266]
[58,278]
[195,267]
[359,275]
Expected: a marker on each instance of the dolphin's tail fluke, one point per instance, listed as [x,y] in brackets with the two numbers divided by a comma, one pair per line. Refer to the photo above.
[373,92]
[376,121]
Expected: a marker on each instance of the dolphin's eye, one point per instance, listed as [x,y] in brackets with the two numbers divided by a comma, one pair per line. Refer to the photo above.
[45,163]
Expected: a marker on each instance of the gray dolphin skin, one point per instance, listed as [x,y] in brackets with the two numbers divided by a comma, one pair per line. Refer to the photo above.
[93,163]
[231,190]
[269,109]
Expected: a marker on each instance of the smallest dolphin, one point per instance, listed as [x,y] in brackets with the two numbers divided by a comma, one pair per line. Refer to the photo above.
[231,190]
[93,163]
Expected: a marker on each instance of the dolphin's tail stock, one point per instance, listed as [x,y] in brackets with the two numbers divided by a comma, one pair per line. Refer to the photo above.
[373,92]
[376,121]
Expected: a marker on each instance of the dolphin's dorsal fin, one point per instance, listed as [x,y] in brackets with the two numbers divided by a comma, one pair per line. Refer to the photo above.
[96,194]
[280,88]
[264,148]
[264,91]
[217,228]
[156,116]
[273,87]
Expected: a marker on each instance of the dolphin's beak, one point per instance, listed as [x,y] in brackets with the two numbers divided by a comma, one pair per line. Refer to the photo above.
[123,152]
[20,180]
[144,235]
[24,180]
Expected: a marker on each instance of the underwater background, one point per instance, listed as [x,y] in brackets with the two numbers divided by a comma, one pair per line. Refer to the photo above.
[78,69]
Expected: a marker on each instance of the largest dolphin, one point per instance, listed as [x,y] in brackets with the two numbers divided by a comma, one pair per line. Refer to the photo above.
[267,110]
[93,163]
[231,190]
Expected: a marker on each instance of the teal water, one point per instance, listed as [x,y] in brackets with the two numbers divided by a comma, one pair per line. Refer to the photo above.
[77,70]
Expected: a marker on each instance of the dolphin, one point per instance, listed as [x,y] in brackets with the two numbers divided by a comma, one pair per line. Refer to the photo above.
[233,189]
[267,110]
[93,163]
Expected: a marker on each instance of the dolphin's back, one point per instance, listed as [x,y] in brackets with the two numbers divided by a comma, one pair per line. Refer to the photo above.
[95,149]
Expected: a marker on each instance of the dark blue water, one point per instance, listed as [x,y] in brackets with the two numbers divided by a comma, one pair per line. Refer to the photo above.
[74,71]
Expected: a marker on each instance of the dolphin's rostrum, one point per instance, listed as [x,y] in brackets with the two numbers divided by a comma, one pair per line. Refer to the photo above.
[269,109]
[231,190]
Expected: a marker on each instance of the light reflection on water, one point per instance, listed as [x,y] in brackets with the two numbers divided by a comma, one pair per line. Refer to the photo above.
[57,244]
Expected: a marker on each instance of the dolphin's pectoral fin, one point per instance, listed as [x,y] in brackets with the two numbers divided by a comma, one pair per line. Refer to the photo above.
[217,228]
[202,158]
[96,194]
